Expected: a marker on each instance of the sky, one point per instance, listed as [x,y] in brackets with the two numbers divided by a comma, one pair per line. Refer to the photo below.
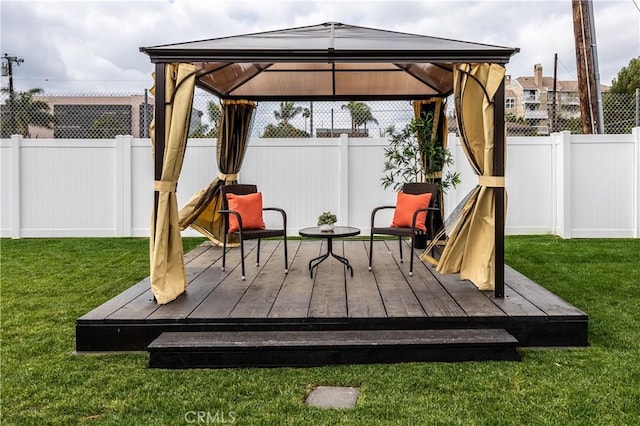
[75,47]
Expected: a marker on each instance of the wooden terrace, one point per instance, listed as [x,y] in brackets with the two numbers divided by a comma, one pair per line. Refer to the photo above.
[332,315]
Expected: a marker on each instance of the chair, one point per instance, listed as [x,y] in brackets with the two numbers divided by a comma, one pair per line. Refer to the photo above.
[407,229]
[246,232]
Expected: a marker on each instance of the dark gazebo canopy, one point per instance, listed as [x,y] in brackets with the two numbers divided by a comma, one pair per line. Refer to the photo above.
[330,61]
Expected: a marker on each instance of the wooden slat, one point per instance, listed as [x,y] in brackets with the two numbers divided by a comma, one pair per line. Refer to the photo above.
[144,305]
[259,297]
[363,296]
[139,308]
[513,304]
[435,300]
[397,296]
[116,303]
[112,305]
[470,299]
[197,291]
[328,299]
[221,301]
[202,261]
[293,299]
[196,251]
[545,300]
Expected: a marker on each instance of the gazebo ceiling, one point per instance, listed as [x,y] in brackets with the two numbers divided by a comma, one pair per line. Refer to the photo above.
[331,61]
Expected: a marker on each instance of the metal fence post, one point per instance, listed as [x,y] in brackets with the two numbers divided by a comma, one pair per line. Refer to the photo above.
[637,107]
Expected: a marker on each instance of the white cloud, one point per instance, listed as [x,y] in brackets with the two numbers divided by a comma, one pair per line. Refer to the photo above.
[74,46]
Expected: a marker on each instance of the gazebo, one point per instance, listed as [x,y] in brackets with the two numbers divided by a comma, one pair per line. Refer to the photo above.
[383,315]
[329,61]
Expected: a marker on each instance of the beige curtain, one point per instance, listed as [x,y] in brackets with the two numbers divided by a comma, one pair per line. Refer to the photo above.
[168,279]
[470,249]
[201,212]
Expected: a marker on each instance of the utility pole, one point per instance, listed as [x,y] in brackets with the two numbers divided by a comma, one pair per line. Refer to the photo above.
[585,57]
[8,71]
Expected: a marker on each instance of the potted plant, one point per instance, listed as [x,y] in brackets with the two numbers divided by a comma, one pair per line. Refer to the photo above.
[326,221]
[415,154]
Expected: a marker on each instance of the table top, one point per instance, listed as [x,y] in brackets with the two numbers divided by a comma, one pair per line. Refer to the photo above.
[337,232]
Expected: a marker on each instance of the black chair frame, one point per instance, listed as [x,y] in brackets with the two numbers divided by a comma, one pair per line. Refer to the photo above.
[249,234]
[410,232]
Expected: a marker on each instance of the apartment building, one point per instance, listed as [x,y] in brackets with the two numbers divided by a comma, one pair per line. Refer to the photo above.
[88,116]
[532,100]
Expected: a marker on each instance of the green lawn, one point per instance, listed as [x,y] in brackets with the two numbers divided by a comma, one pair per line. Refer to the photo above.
[48,283]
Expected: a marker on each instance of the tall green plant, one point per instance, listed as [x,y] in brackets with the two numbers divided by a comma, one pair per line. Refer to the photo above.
[24,111]
[415,155]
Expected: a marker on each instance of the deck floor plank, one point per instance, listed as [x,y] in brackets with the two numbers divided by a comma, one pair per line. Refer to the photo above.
[328,299]
[259,297]
[389,273]
[470,299]
[221,301]
[546,301]
[435,300]
[363,296]
[295,294]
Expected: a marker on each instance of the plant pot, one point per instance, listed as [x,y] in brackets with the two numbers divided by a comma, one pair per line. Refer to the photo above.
[420,241]
[327,227]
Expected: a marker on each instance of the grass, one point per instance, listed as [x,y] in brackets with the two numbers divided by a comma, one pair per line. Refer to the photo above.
[48,283]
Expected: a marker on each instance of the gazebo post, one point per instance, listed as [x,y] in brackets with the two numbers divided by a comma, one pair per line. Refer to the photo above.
[499,170]
[159,137]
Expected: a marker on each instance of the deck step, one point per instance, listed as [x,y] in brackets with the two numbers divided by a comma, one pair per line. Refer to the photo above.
[315,348]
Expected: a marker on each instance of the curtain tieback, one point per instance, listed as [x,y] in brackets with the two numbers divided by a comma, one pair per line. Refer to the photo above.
[165,185]
[491,181]
[228,177]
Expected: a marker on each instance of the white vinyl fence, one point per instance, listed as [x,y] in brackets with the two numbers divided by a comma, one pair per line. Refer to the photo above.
[574,186]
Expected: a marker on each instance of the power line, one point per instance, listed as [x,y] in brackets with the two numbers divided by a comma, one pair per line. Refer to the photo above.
[567,69]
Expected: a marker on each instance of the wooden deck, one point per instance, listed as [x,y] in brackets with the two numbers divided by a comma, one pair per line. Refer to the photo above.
[386,298]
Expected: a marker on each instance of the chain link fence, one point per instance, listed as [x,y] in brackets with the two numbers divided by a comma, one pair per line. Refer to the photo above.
[67,115]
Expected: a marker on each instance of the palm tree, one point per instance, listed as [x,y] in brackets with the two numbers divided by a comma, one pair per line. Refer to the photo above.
[215,115]
[287,112]
[360,114]
[24,111]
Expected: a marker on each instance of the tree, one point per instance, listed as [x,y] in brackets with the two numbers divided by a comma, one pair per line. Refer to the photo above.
[214,112]
[618,104]
[283,130]
[24,111]
[107,126]
[628,78]
[288,111]
[360,114]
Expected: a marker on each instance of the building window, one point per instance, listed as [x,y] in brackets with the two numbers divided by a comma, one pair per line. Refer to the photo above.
[510,103]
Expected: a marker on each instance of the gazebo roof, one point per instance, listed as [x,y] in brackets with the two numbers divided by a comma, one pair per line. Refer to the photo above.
[327,61]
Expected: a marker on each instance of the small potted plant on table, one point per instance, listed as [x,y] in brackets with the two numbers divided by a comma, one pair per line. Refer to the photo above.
[326,221]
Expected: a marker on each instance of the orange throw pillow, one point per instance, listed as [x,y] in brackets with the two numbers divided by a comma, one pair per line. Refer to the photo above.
[250,208]
[406,205]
